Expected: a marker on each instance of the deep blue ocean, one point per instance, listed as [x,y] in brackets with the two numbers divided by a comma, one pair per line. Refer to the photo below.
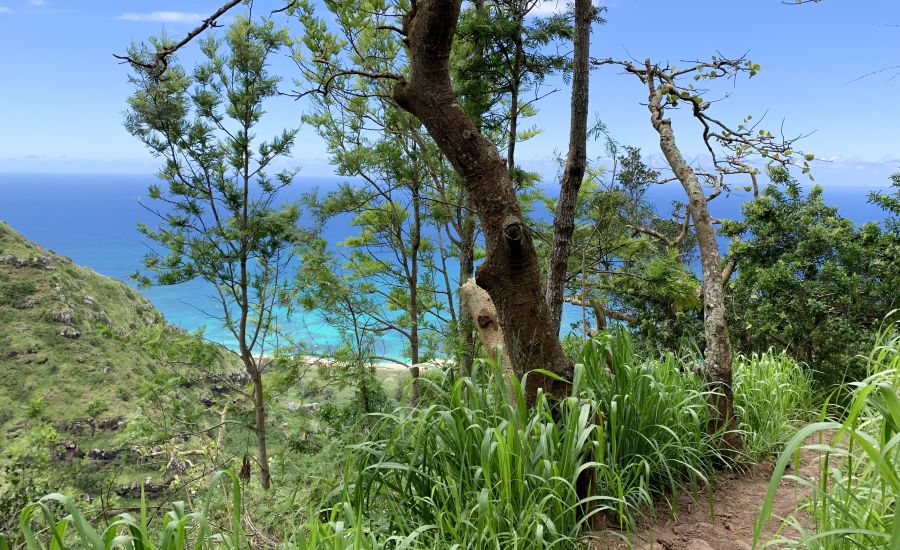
[92,220]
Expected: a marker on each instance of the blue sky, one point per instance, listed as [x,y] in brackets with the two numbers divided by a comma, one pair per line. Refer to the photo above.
[62,94]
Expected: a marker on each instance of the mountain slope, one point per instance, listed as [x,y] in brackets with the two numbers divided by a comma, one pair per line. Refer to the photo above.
[62,355]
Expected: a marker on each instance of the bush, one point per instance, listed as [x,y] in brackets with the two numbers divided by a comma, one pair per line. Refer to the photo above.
[15,292]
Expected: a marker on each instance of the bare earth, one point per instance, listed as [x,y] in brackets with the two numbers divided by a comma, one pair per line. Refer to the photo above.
[729,524]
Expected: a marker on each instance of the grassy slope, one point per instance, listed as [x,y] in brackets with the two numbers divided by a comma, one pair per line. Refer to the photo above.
[37,362]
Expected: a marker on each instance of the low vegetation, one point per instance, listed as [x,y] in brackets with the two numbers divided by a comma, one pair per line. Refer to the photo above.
[472,468]
[854,501]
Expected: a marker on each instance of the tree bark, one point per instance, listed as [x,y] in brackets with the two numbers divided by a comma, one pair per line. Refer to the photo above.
[576,162]
[477,302]
[466,270]
[414,297]
[259,407]
[510,272]
[718,356]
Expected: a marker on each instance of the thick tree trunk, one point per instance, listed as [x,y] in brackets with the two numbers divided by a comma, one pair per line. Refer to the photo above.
[717,364]
[510,272]
[576,162]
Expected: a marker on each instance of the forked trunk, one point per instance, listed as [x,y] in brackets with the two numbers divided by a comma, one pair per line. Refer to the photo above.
[510,272]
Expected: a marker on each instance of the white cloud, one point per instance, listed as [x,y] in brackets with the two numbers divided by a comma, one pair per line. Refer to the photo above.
[549,7]
[4,9]
[186,18]
[37,2]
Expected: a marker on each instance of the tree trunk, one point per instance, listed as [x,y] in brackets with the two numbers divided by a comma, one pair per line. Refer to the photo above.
[717,364]
[510,272]
[476,301]
[414,297]
[576,162]
[466,270]
[259,408]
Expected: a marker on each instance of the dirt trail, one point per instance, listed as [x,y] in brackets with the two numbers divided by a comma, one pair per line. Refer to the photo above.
[728,523]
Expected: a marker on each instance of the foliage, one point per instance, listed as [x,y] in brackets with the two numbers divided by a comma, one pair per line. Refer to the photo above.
[890,203]
[25,472]
[772,393]
[630,260]
[810,281]
[14,292]
[855,497]
[220,216]
[472,467]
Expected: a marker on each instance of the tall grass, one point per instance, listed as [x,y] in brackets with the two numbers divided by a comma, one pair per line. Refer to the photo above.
[856,498]
[180,528]
[772,392]
[655,416]
[473,468]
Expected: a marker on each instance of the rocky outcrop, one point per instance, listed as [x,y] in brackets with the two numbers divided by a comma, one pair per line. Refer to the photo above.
[70,332]
[39,262]
[64,315]
[104,455]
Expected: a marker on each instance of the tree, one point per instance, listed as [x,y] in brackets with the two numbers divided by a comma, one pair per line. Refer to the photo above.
[510,272]
[631,264]
[220,217]
[809,280]
[730,150]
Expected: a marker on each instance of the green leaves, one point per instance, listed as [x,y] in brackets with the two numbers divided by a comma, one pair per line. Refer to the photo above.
[801,256]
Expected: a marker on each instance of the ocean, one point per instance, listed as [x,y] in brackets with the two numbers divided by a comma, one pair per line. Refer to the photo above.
[92,219]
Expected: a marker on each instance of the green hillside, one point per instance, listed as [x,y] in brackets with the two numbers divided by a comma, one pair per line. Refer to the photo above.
[61,347]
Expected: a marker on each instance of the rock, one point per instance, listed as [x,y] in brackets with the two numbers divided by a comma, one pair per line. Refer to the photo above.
[70,332]
[100,317]
[292,407]
[64,315]
[40,262]
[77,427]
[152,490]
[68,450]
[14,431]
[21,351]
[111,424]
[103,454]
[25,303]
[698,544]
[88,299]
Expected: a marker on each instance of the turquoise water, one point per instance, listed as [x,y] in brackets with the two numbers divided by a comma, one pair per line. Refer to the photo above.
[92,220]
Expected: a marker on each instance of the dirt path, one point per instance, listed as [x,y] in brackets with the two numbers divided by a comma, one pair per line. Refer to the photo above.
[725,525]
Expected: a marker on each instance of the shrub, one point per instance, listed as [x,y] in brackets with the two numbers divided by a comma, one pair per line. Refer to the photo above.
[16,291]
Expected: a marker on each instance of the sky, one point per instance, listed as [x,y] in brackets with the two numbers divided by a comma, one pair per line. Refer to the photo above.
[63,94]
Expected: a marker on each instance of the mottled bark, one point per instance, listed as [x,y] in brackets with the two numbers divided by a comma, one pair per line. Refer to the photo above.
[576,161]
[510,272]
[477,302]
[718,355]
